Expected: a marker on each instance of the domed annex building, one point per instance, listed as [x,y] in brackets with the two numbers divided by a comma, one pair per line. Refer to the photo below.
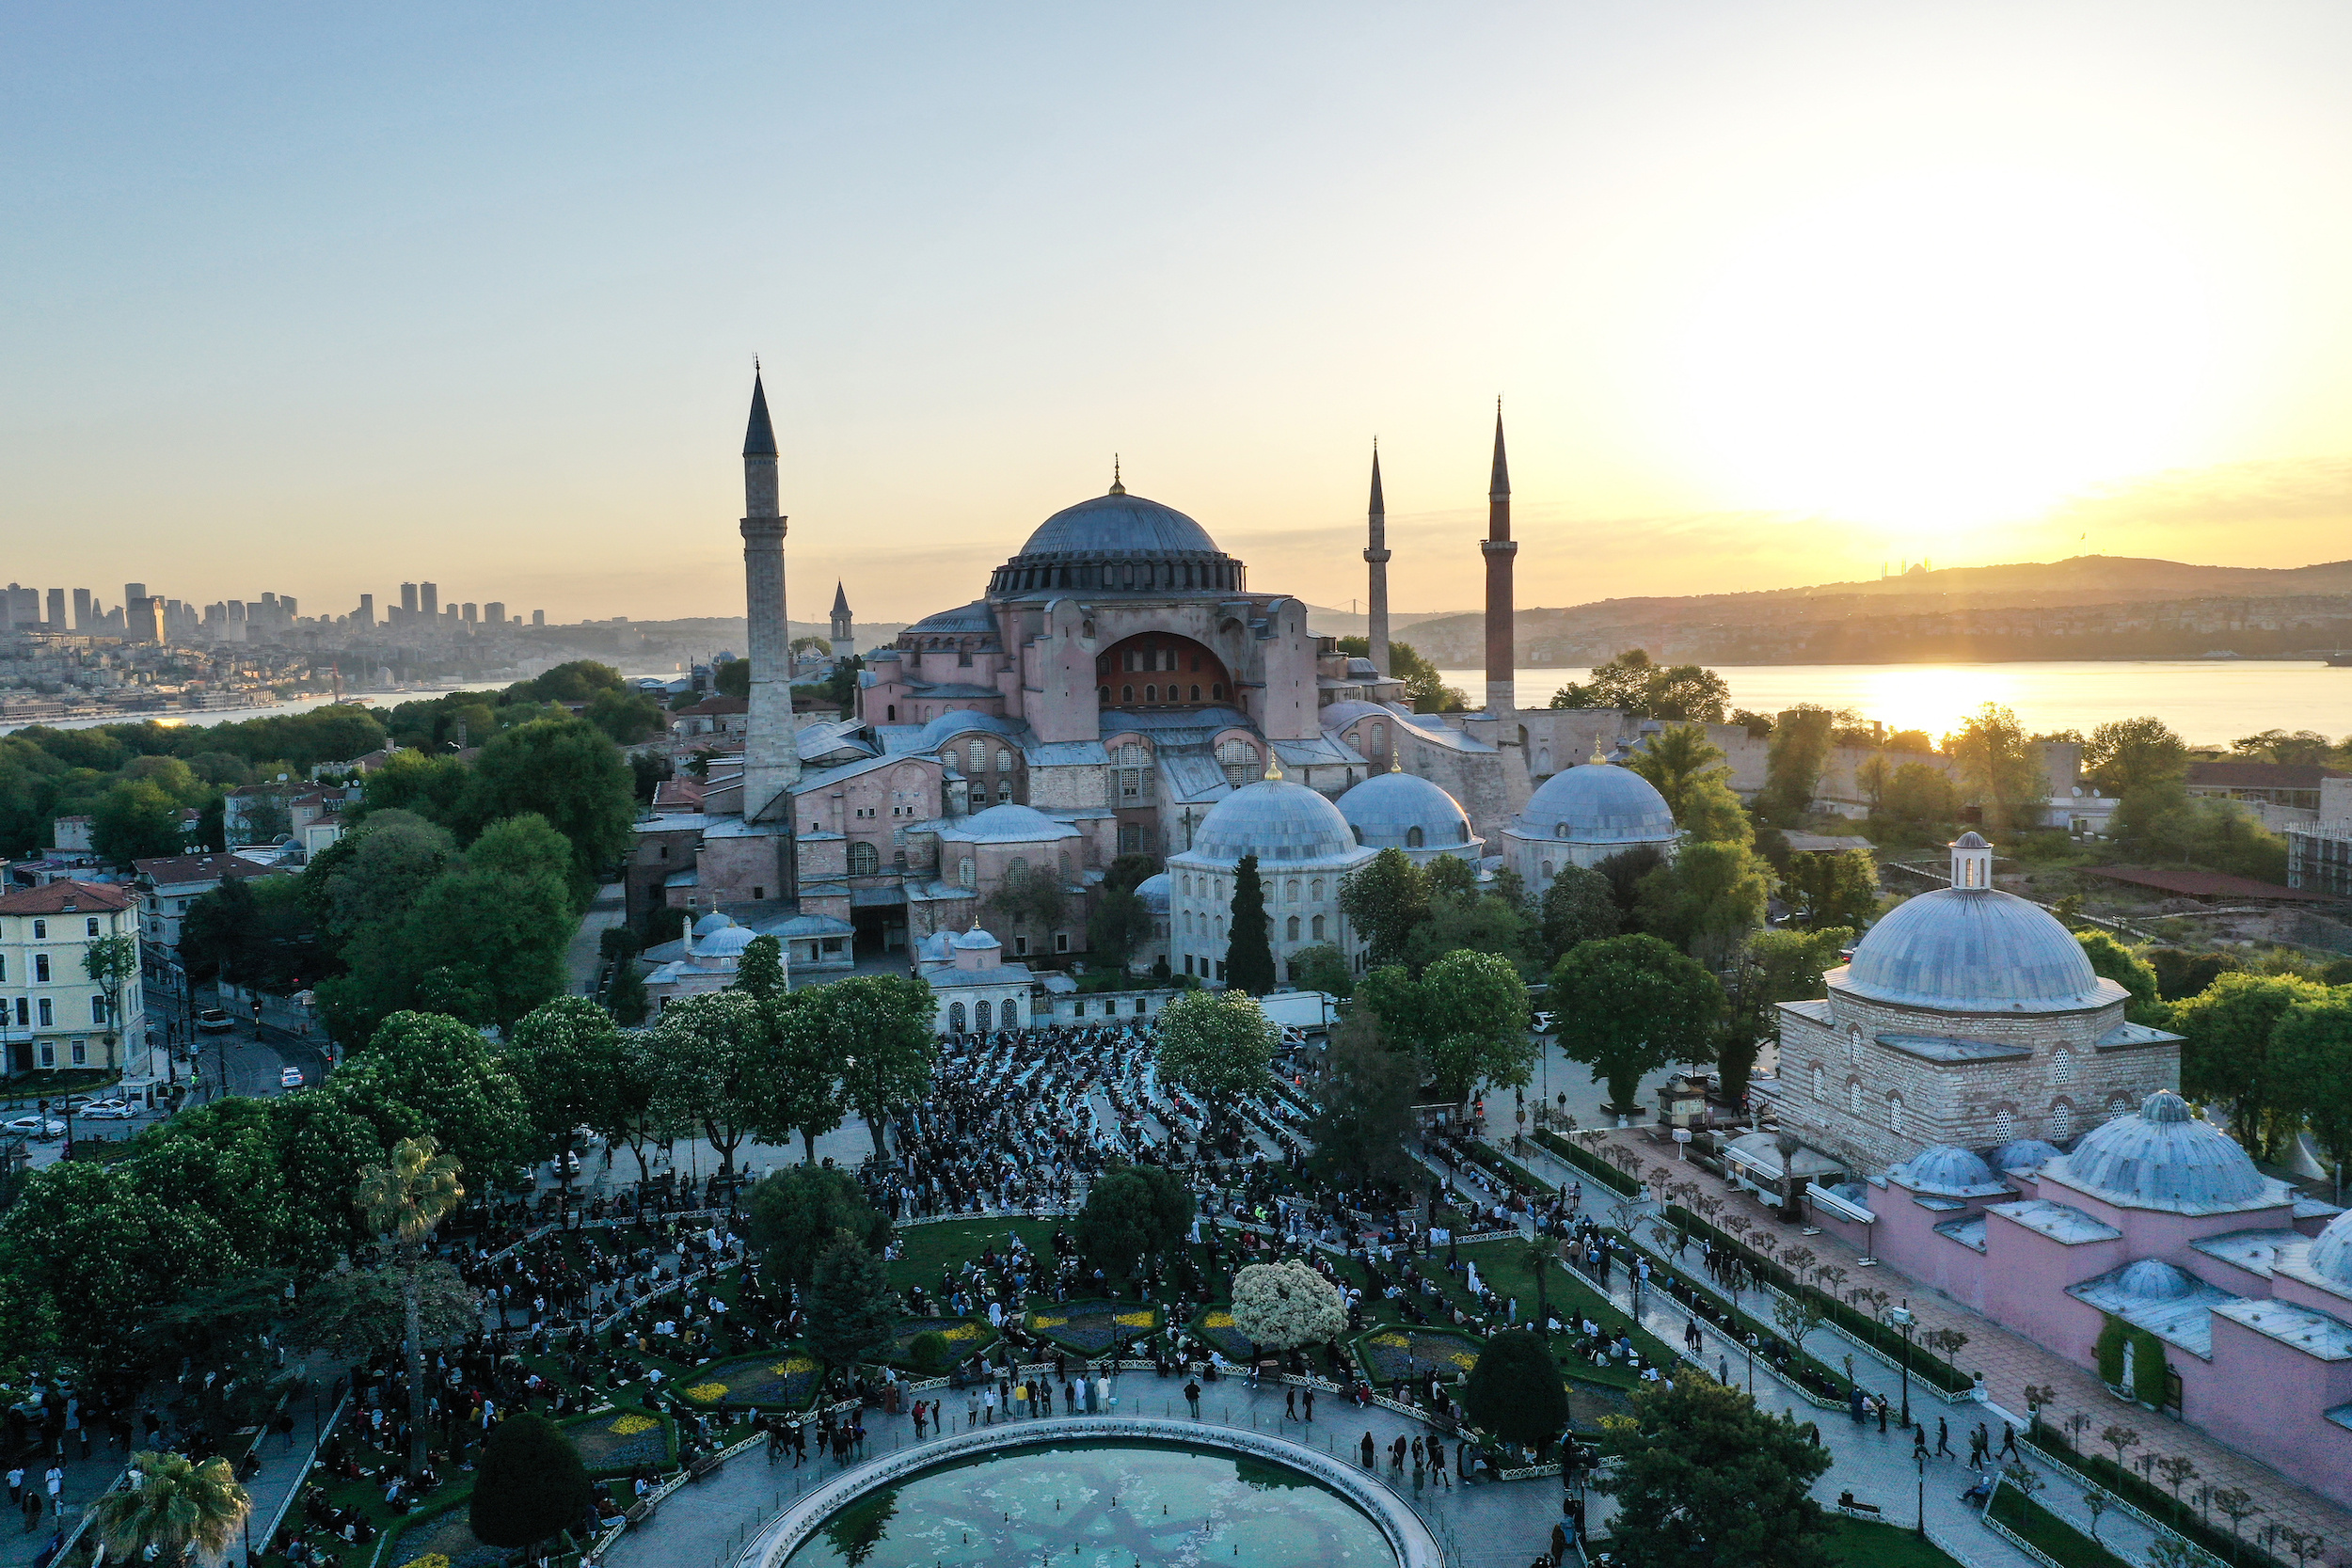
[1967,1017]
[1402,811]
[2154,1253]
[1581,816]
[1304,847]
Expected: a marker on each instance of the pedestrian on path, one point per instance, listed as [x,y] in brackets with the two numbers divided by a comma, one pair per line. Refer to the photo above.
[16,1487]
[1290,1404]
[1437,1463]
[56,1491]
[2008,1441]
[1919,1443]
[1192,1396]
[1943,1439]
[1369,1447]
[1310,1403]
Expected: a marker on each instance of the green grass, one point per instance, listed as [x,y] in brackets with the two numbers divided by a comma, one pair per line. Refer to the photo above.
[950,1242]
[2066,1545]
[1866,1545]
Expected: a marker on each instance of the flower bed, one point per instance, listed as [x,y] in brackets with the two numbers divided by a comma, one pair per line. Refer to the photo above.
[963,1337]
[774,1380]
[1216,1325]
[1397,1355]
[445,1540]
[1590,1163]
[1092,1327]
[615,1442]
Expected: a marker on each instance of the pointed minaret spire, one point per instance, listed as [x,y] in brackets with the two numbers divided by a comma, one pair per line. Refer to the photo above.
[844,637]
[771,759]
[1376,561]
[759,436]
[1498,549]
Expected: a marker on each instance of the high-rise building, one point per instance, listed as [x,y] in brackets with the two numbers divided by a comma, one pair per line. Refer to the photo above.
[134,590]
[286,603]
[465,613]
[538,617]
[83,609]
[23,608]
[56,609]
[409,597]
[494,614]
[428,599]
[143,619]
[366,615]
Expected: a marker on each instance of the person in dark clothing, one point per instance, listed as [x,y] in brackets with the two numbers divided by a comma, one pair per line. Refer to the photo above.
[1369,1447]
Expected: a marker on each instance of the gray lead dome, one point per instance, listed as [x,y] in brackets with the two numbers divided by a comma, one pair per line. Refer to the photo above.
[1279,822]
[1384,810]
[2163,1158]
[1598,803]
[1975,950]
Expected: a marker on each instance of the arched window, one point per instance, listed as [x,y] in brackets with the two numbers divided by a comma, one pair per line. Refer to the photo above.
[1240,761]
[865,860]
[1012,1013]
[979,758]
[964,876]
[2117,1105]
[1151,694]
[1315,888]
[1289,891]
[1216,692]
[1126,693]
[1289,932]
[1196,694]
[890,710]
[1380,737]
[1016,868]
[2062,1067]
[1854,1046]
[2061,1122]
[2004,1127]
[1318,927]
[955,1018]
[979,1015]
[1820,1081]
[1895,1114]
[1413,838]
[1547,871]
[1003,759]
[1103,694]
[1853,1097]
[1543,760]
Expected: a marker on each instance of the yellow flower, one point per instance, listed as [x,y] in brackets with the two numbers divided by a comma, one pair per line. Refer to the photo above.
[1135,1319]
[793,1366]
[1392,1342]
[1463,1358]
[629,1426]
[1041,1321]
[430,1559]
[706,1392]
[962,1331]
[1217,1320]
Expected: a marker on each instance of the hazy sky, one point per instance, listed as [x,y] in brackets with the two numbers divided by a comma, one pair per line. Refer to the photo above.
[318,298]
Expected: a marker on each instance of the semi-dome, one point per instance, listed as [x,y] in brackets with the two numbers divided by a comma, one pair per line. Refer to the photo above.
[1598,803]
[2162,1157]
[963,618]
[1403,810]
[2022,1154]
[2153,1279]
[1281,822]
[1117,542]
[1008,824]
[1154,891]
[2330,1257]
[1947,1170]
[1977,951]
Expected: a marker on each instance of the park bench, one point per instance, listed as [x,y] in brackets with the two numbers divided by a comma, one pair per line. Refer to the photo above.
[639,1513]
[702,1467]
[1853,1510]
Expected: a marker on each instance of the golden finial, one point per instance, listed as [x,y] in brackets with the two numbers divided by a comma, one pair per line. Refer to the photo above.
[1273,767]
[1597,757]
[1118,489]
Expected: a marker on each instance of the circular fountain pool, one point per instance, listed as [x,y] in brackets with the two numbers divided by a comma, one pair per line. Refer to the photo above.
[1090,1500]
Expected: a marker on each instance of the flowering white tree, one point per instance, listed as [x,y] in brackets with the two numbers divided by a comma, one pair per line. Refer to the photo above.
[1283,1306]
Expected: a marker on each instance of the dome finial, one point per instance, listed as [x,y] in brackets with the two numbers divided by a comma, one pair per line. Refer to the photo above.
[1597,757]
[1117,488]
[1273,767]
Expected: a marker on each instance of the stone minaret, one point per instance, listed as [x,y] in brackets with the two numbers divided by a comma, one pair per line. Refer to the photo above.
[771,758]
[1376,557]
[1499,548]
[844,637]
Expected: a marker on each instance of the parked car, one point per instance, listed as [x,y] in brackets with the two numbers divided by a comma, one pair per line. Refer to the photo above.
[109,1109]
[212,1020]
[289,1078]
[36,1127]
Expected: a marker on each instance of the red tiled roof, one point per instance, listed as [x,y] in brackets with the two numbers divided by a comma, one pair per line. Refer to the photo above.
[67,897]
[220,866]
[2205,884]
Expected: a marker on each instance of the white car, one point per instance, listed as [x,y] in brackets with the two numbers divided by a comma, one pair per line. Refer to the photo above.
[289,1078]
[109,1109]
[1543,1022]
[36,1127]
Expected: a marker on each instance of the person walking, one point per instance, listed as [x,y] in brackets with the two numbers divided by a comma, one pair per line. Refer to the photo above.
[1369,1447]
[1290,1404]
[16,1487]
[55,1479]
[1192,1396]
[1437,1463]
[1943,1439]
[1310,1403]
[2008,1441]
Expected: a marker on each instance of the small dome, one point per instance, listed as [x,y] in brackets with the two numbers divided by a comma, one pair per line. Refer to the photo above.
[1598,803]
[2022,1154]
[975,940]
[2163,1158]
[1384,810]
[2330,1257]
[2152,1279]
[728,943]
[1121,525]
[1971,840]
[1152,890]
[712,923]
[1281,822]
[1008,824]
[1946,1168]
[1975,951]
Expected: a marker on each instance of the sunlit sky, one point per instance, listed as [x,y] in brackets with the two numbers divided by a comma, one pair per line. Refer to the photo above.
[318,299]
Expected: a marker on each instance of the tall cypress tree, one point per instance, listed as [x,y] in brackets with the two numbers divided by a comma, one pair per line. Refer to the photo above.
[1249,947]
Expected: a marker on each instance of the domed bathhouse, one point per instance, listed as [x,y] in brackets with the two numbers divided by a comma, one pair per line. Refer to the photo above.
[2153,1252]
[1581,816]
[1969,1018]
[1403,811]
[1304,847]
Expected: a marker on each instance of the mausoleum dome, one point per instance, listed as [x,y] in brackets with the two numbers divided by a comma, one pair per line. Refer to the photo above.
[1946,1169]
[975,940]
[2152,1279]
[1283,824]
[1117,543]
[2022,1154]
[1403,810]
[1975,951]
[712,923]
[726,943]
[1154,891]
[1598,803]
[2162,1157]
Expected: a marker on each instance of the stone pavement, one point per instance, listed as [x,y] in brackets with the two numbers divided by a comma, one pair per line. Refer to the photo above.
[2011,1362]
[581,958]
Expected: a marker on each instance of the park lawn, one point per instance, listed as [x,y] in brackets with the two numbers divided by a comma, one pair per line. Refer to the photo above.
[1501,1266]
[1865,1544]
[952,1243]
[2061,1542]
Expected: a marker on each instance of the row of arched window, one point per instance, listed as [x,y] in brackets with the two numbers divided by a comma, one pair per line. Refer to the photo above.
[1009,1016]
[1151,690]
[2060,1124]
[1120,574]
[1286,892]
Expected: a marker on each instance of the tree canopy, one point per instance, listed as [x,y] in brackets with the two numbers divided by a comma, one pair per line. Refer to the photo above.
[1133,1214]
[1218,1046]
[1633,684]
[1248,949]
[1703,1476]
[1464,1019]
[1628,1006]
[794,1215]
[1515,1391]
[531,1484]
[1384,899]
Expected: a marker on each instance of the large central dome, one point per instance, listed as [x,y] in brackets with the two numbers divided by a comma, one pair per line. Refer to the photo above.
[1975,950]
[1283,824]
[1117,543]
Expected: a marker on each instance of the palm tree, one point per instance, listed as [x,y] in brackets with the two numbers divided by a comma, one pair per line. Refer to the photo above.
[404,1199]
[176,1506]
[1536,1255]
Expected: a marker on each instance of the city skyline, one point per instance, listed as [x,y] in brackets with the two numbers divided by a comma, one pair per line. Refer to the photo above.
[1774,295]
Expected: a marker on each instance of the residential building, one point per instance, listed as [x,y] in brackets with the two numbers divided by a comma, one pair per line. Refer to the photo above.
[55,1016]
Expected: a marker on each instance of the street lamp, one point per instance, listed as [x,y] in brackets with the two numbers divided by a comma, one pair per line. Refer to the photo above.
[1919,1457]
[1900,1317]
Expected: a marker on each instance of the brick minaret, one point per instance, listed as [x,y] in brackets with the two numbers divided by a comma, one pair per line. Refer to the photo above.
[771,758]
[1376,557]
[1499,548]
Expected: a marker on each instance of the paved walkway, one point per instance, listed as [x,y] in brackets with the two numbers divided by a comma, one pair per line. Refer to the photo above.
[2010,1362]
[581,958]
